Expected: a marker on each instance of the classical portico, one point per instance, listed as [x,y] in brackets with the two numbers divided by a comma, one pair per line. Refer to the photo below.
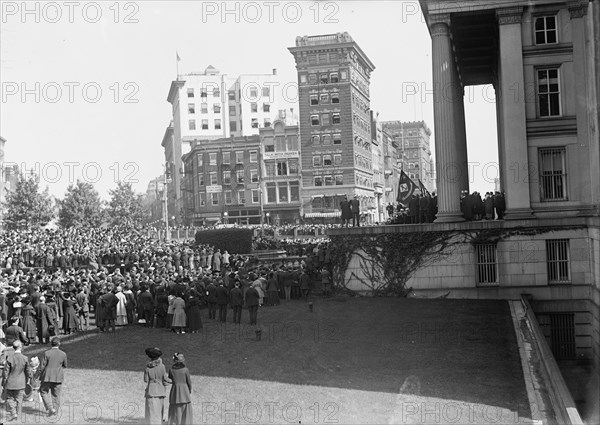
[472,45]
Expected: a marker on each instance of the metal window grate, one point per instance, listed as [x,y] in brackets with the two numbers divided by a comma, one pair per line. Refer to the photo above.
[487,274]
[562,336]
[553,176]
[557,260]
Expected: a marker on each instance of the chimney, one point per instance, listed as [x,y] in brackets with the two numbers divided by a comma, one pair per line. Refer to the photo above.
[274,71]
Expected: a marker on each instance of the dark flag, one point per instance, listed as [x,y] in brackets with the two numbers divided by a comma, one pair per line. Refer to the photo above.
[424,190]
[406,188]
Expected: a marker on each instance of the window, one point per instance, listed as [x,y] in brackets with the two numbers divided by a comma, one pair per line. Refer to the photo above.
[216,92]
[254,123]
[255,196]
[333,77]
[316,139]
[335,118]
[281,168]
[553,176]
[562,336]
[254,176]
[266,92]
[303,79]
[253,156]
[192,124]
[326,139]
[545,30]
[202,199]
[204,108]
[267,122]
[253,92]
[199,159]
[280,144]
[328,180]
[343,75]
[214,198]
[335,98]
[337,139]
[557,260]
[191,108]
[204,124]
[316,161]
[227,177]
[216,108]
[324,99]
[253,107]
[314,99]
[327,160]
[337,159]
[213,178]
[190,92]
[270,148]
[232,126]
[201,179]
[325,119]
[231,94]
[283,192]
[314,119]
[227,197]
[217,124]
[242,197]
[232,110]
[203,92]
[212,158]
[271,193]
[294,191]
[324,79]
[292,167]
[318,181]
[226,158]
[548,92]
[339,179]
[312,78]
[486,264]
[266,107]
[239,176]
[322,57]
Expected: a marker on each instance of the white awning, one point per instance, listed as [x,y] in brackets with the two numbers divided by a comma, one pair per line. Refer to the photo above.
[323,214]
[317,196]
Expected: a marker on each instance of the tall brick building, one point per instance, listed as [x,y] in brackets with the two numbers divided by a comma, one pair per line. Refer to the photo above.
[335,123]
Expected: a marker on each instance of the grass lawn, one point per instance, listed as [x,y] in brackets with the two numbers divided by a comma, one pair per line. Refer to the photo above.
[364,360]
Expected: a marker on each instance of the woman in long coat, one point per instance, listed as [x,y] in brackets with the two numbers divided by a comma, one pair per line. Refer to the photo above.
[179,316]
[29,326]
[121,307]
[193,311]
[155,376]
[69,315]
[180,400]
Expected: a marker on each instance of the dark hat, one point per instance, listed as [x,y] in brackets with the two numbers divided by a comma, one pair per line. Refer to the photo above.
[153,353]
[178,358]
[55,342]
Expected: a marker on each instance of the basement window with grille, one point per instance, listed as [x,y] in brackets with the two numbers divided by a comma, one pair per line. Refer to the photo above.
[562,336]
[557,261]
[487,265]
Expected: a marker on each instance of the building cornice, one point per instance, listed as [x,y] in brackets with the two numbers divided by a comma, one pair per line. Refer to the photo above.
[509,15]
[174,90]
[167,136]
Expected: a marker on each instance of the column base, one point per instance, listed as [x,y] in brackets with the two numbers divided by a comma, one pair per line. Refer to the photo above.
[449,217]
[519,214]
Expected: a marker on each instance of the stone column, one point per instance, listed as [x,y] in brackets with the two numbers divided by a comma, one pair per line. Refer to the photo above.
[446,140]
[461,134]
[515,166]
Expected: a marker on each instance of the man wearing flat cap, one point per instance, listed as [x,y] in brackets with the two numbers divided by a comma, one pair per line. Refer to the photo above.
[52,366]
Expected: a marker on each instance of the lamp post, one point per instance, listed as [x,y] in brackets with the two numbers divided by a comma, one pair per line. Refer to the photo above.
[225,215]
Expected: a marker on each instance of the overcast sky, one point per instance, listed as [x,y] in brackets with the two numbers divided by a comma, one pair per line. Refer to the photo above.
[98,75]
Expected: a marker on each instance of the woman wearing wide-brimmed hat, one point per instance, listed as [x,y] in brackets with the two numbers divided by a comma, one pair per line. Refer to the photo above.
[155,376]
[180,400]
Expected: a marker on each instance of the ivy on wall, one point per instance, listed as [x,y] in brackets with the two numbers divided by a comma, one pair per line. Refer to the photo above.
[388,260]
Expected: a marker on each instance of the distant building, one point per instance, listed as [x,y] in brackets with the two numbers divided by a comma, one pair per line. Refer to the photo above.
[335,124]
[221,182]
[153,201]
[413,140]
[210,105]
[280,177]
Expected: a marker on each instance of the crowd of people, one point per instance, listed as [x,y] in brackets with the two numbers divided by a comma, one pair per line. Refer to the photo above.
[54,281]
[423,208]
